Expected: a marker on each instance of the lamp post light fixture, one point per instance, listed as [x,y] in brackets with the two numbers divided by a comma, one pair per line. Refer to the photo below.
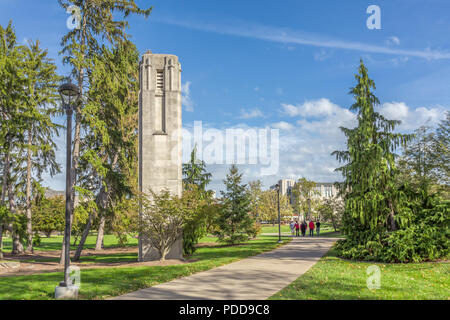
[277,186]
[69,94]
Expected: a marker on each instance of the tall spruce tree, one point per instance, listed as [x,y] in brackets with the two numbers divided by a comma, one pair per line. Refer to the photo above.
[372,198]
[98,26]
[195,181]
[195,172]
[41,104]
[109,147]
[382,220]
[234,219]
[27,102]
[12,129]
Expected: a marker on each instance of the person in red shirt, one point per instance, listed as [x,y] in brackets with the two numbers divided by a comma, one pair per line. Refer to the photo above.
[311,228]
[297,227]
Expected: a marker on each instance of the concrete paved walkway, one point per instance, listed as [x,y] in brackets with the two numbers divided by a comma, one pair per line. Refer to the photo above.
[253,278]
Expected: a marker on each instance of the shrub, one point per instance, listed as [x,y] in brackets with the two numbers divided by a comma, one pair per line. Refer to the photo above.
[36,240]
[425,238]
[48,215]
[254,229]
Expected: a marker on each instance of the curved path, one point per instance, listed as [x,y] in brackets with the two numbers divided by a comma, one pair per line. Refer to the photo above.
[253,278]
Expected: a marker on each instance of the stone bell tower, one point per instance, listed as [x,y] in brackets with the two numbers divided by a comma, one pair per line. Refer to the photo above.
[160,140]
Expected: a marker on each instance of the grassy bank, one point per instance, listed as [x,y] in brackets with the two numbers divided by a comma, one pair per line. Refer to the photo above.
[108,282]
[333,278]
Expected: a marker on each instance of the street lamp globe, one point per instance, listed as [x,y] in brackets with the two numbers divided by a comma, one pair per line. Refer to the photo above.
[68,93]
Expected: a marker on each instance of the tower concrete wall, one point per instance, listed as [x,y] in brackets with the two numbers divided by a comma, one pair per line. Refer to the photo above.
[160,140]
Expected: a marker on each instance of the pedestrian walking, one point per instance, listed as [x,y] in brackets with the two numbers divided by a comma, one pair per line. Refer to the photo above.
[318,227]
[297,228]
[311,228]
[303,227]
[292,225]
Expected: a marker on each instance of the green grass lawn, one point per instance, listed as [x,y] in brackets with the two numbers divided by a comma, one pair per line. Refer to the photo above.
[333,278]
[273,228]
[55,242]
[107,282]
[110,241]
[97,258]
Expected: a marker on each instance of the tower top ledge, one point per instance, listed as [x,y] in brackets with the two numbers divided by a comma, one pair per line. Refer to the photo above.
[150,53]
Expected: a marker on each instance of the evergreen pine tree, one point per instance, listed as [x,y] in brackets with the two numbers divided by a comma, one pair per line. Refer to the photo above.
[100,25]
[372,199]
[196,180]
[108,153]
[234,219]
[41,104]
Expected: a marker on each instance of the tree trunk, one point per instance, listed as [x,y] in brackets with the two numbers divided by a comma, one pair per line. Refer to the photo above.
[17,247]
[1,240]
[3,197]
[84,236]
[100,234]
[391,220]
[28,198]
[333,222]
[162,253]
[103,204]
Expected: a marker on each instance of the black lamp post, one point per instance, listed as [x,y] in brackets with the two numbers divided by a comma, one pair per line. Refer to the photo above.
[309,209]
[277,186]
[69,95]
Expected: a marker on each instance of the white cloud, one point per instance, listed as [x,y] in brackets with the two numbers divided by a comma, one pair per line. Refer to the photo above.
[283,125]
[186,96]
[412,118]
[254,113]
[313,108]
[395,110]
[322,55]
[398,60]
[289,36]
[306,140]
[393,40]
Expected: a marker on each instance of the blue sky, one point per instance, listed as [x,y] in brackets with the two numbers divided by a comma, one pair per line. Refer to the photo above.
[282,64]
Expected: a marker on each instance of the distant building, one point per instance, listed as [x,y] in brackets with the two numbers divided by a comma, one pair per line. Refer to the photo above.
[324,189]
[50,193]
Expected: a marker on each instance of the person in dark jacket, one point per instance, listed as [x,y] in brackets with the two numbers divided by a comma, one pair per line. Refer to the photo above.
[311,228]
[303,228]
[317,227]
